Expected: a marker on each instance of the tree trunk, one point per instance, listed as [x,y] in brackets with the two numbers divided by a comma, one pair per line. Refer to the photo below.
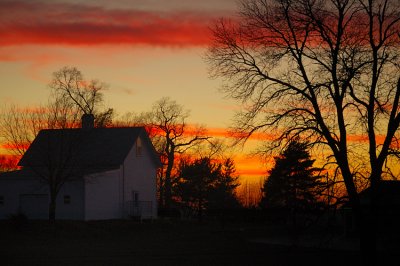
[167,194]
[52,209]
[161,189]
[167,184]
[366,220]
[366,228]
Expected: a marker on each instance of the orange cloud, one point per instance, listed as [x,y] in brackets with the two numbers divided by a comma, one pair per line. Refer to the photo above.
[11,146]
[226,133]
[251,172]
[32,22]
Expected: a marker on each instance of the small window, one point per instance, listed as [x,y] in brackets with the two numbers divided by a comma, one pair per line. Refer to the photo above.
[1,200]
[67,199]
[139,147]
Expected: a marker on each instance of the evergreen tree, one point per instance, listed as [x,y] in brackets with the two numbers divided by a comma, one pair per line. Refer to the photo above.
[207,185]
[293,182]
[223,193]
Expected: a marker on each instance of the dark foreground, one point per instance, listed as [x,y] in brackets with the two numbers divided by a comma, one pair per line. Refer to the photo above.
[159,243]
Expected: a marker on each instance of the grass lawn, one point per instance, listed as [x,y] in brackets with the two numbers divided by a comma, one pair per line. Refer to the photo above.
[127,242]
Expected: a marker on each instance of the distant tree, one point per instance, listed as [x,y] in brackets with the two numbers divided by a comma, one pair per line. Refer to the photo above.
[171,135]
[250,193]
[82,96]
[223,193]
[293,183]
[205,185]
[19,126]
[71,96]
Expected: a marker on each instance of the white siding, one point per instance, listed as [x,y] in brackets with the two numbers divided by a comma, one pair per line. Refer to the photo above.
[74,209]
[102,196]
[140,176]
[35,206]
[31,197]
[11,190]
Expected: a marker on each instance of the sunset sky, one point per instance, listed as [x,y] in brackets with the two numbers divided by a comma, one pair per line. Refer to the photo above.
[142,49]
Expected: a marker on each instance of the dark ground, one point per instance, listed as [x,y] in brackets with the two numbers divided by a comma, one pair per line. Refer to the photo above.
[166,242]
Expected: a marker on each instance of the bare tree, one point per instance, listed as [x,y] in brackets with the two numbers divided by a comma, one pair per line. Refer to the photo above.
[83,96]
[70,97]
[171,135]
[325,71]
[19,126]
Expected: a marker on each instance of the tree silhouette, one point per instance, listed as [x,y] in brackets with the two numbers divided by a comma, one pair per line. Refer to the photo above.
[223,193]
[205,185]
[167,121]
[293,183]
[325,71]
[80,95]
[71,96]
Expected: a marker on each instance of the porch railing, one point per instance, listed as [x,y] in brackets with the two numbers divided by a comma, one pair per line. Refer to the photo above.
[139,209]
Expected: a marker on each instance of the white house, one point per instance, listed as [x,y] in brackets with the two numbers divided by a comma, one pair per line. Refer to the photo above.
[110,173]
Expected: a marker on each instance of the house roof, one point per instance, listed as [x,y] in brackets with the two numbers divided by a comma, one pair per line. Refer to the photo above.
[386,190]
[96,148]
[18,175]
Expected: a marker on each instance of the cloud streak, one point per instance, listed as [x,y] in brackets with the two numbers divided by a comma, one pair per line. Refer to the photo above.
[32,22]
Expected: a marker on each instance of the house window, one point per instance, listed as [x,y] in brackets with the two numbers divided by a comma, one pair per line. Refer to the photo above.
[1,200]
[139,147]
[67,199]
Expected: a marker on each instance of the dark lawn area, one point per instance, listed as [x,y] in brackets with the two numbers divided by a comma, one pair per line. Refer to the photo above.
[155,243]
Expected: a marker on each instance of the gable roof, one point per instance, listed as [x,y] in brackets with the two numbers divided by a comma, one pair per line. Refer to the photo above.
[100,148]
[387,191]
[24,174]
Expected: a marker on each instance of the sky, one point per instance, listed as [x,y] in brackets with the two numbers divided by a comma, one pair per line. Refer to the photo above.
[142,49]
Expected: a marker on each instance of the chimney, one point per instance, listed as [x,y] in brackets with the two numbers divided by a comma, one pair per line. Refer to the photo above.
[87,121]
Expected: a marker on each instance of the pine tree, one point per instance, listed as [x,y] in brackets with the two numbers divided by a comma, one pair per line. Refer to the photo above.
[293,182]
[223,195]
[205,184]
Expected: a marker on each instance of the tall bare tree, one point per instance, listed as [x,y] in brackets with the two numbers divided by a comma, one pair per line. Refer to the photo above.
[70,97]
[83,96]
[325,71]
[171,136]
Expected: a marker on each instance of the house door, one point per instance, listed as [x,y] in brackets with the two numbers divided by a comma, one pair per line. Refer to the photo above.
[34,206]
[135,204]
[135,197]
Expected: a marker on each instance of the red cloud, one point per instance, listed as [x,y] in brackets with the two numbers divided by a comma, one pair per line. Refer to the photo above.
[9,162]
[25,22]
[11,146]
